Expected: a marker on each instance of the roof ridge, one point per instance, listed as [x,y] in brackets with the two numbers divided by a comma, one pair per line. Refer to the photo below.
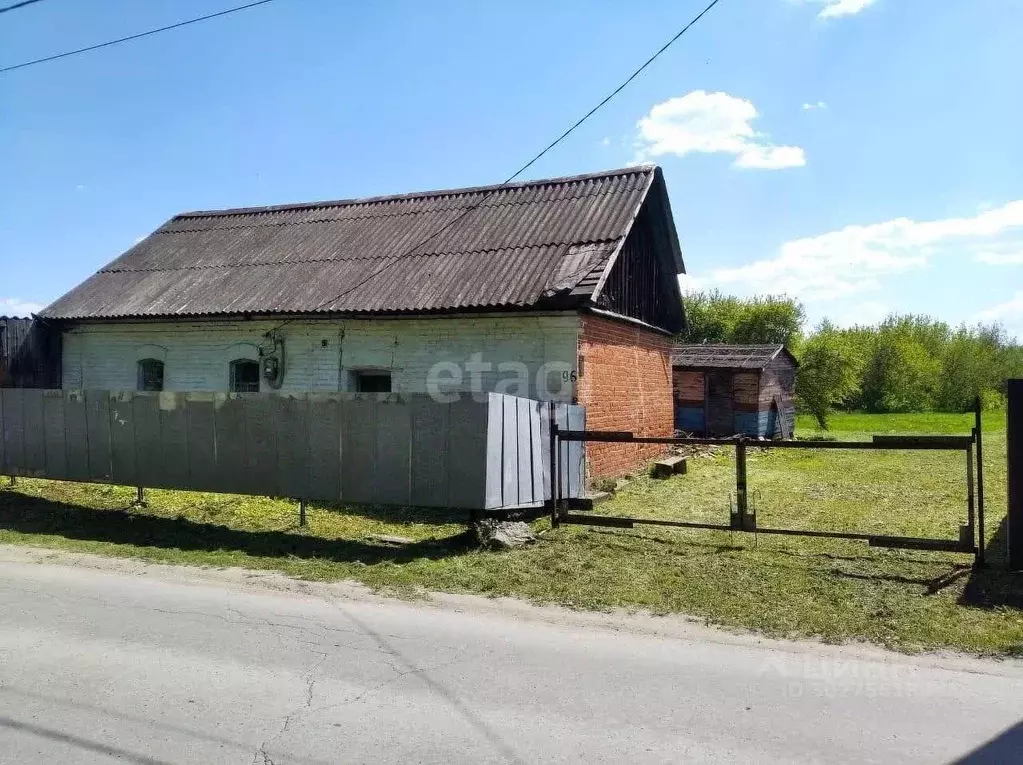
[437,193]
[312,206]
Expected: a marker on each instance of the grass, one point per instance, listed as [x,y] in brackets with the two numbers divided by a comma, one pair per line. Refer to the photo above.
[784,586]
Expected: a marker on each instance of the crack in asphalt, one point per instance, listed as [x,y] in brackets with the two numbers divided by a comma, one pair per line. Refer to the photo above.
[309,676]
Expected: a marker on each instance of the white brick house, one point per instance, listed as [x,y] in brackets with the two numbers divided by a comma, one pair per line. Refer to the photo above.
[379,294]
[323,354]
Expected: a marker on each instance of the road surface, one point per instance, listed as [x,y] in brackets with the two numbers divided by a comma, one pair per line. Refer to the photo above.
[124,662]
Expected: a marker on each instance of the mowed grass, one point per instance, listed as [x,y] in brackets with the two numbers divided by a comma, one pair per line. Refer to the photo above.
[787,586]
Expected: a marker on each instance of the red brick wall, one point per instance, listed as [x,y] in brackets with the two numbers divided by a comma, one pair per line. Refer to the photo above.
[625,385]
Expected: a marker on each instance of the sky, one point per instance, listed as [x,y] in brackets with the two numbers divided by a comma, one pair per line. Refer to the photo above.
[862,156]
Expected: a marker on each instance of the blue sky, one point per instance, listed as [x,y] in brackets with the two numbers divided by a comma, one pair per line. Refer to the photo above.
[862,155]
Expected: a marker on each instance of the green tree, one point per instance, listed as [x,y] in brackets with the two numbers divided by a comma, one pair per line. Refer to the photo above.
[716,318]
[900,375]
[828,373]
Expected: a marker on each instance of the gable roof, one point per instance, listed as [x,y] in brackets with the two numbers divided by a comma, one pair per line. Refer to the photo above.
[542,245]
[722,356]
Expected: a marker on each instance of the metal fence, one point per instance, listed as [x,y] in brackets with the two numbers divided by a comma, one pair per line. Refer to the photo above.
[400,449]
[971,534]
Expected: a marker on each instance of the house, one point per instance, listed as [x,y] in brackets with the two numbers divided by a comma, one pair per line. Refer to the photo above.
[562,289]
[29,354]
[725,390]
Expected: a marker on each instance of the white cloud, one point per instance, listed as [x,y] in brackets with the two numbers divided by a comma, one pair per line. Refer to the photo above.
[853,260]
[837,8]
[863,313]
[711,123]
[999,258]
[1010,309]
[689,284]
[1009,314]
[17,307]
[605,141]
[807,107]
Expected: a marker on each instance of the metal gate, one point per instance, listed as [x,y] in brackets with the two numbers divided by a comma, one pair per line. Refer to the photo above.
[743,518]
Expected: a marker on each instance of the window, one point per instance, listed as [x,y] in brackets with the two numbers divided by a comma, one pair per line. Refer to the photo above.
[150,374]
[373,382]
[244,376]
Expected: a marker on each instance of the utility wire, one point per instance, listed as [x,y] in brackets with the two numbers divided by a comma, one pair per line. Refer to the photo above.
[16,6]
[514,175]
[124,39]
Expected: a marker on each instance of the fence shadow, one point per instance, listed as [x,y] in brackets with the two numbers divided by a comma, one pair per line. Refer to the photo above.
[397,514]
[35,515]
[994,586]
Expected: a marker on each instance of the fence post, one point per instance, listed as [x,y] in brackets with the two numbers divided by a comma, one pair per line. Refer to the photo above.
[555,469]
[301,512]
[1014,449]
[741,498]
[979,431]
[969,531]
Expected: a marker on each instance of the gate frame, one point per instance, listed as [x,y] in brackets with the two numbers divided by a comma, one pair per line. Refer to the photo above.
[971,535]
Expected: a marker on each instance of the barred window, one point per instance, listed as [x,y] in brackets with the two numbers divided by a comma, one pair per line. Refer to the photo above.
[150,374]
[244,376]
[373,382]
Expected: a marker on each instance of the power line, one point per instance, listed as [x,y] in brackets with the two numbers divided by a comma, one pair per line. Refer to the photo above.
[518,172]
[16,6]
[129,37]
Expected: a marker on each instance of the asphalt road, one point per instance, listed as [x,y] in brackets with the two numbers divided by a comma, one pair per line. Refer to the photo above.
[143,664]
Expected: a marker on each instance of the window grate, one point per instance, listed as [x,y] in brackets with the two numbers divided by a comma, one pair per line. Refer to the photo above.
[244,376]
[150,375]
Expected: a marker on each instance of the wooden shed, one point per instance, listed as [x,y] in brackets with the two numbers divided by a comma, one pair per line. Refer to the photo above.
[29,354]
[725,390]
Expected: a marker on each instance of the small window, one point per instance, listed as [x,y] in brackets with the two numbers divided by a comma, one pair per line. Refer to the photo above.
[244,376]
[373,382]
[150,374]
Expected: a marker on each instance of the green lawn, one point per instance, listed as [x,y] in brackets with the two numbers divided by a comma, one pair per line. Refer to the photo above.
[834,590]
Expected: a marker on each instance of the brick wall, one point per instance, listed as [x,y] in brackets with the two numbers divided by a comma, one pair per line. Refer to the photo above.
[625,385]
[320,355]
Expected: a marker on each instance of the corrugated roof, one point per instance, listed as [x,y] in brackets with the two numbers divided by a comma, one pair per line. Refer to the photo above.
[540,244]
[721,356]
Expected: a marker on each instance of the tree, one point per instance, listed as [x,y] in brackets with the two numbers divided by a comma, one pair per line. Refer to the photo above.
[905,363]
[828,373]
[716,318]
[900,375]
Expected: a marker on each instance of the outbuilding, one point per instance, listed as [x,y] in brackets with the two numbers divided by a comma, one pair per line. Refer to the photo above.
[725,390]
[29,354]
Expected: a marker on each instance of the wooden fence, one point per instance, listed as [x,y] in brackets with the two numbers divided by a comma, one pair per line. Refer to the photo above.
[29,354]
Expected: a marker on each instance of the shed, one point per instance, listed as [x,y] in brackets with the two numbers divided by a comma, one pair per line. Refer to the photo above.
[29,354]
[725,390]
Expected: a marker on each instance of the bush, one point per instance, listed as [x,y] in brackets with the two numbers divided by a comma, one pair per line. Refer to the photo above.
[827,375]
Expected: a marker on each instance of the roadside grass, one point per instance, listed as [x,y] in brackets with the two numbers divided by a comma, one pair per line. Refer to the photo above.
[783,586]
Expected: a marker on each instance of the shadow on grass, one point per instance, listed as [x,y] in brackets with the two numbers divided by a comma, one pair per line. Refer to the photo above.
[397,514]
[994,586]
[35,515]
[931,585]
